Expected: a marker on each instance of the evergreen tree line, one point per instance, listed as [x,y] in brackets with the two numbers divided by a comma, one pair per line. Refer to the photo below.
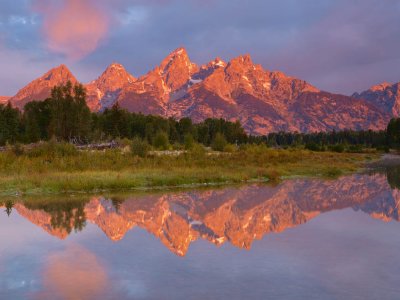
[65,116]
[336,141]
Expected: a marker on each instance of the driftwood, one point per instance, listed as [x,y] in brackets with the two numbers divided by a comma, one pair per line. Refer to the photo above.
[101,146]
[25,147]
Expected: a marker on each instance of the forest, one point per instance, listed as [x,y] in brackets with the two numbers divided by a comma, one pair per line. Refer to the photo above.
[65,117]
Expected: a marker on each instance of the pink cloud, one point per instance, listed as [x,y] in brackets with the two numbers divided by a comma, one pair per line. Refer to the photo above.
[74,28]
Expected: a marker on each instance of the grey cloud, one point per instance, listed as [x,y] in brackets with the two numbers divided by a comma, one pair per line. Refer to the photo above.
[337,45]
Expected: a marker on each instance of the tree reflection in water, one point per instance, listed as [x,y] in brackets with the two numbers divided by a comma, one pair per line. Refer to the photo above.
[238,215]
[393,177]
[9,206]
[68,214]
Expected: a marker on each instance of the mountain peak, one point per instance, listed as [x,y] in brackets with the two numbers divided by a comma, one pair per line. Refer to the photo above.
[243,59]
[246,58]
[217,62]
[60,72]
[104,91]
[263,101]
[178,56]
[179,51]
[62,66]
[380,87]
[116,70]
[115,76]
[40,88]
[243,62]
[176,69]
[385,95]
[115,66]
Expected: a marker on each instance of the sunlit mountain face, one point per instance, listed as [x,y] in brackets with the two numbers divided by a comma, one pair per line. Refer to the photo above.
[272,65]
[235,215]
[240,89]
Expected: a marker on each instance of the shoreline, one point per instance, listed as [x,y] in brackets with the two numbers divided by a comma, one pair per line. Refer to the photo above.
[216,174]
[62,169]
[386,160]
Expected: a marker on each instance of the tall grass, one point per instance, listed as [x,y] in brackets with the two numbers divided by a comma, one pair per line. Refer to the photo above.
[60,168]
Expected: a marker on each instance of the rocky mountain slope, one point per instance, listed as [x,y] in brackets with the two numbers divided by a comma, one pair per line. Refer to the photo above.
[4,99]
[40,88]
[104,91]
[384,95]
[263,101]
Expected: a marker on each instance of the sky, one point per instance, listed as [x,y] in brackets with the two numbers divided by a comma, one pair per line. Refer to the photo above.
[341,46]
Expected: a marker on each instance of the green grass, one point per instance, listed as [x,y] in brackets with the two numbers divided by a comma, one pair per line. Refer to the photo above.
[55,171]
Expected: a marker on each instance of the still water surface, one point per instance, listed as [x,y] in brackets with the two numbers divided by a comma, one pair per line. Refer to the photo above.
[301,239]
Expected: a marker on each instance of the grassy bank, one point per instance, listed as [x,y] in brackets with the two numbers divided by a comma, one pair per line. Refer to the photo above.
[62,169]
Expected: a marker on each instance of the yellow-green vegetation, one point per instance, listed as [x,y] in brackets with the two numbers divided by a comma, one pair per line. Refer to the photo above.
[60,168]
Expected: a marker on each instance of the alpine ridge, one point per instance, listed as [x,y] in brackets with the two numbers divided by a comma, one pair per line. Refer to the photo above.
[104,91]
[40,88]
[263,101]
[384,95]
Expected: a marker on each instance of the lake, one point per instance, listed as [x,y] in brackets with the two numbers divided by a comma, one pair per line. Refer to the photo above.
[300,239]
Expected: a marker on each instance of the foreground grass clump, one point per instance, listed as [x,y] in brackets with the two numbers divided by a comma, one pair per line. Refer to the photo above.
[60,168]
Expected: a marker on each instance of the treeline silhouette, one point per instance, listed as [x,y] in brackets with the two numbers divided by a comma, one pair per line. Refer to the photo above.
[65,116]
[352,141]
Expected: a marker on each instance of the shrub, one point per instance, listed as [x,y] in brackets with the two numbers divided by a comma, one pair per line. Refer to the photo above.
[253,148]
[17,149]
[339,148]
[219,142]
[140,147]
[355,149]
[189,142]
[197,150]
[229,148]
[124,142]
[161,141]
[53,149]
[273,175]
[333,173]
[178,147]
[315,147]
[385,148]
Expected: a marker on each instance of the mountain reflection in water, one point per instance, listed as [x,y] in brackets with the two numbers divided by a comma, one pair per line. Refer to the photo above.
[235,215]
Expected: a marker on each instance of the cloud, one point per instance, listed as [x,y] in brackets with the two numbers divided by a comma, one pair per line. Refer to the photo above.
[74,28]
[338,45]
[352,47]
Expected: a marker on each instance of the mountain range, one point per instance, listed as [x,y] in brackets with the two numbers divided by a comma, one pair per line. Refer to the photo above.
[261,100]
[238,216]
